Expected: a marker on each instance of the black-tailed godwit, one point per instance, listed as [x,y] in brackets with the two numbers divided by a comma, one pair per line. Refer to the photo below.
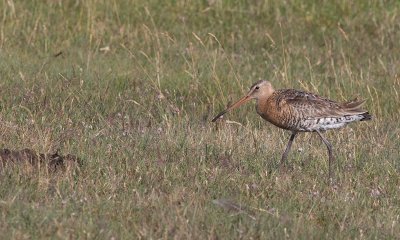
[299,111]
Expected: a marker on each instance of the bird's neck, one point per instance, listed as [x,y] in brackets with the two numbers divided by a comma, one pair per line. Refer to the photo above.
[262,106]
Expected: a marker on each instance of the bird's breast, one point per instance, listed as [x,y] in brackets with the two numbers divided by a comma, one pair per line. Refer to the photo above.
[273,114]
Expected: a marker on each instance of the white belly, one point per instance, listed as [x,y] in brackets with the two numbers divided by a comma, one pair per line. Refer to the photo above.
[327,123]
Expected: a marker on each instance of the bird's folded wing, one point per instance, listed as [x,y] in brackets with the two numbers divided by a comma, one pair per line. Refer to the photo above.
[311,106]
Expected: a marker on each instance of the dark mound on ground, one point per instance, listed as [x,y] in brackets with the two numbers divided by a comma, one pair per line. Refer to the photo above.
[54,162]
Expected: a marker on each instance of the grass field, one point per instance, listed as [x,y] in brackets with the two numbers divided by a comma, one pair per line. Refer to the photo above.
[131,86]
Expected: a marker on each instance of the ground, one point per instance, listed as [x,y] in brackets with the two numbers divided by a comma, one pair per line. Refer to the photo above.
[130,87]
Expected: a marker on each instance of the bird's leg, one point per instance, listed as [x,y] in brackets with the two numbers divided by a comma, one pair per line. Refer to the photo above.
[331,157]
[289,145]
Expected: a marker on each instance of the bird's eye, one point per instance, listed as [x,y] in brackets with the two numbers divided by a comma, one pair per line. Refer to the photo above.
[257,87]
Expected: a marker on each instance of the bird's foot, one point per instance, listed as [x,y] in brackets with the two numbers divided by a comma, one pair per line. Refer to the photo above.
[332,181]
[283,168]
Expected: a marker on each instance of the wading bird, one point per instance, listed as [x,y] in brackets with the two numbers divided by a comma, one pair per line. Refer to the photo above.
[299,111]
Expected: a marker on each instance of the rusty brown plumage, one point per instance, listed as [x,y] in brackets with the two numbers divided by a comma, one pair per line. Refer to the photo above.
[300,111]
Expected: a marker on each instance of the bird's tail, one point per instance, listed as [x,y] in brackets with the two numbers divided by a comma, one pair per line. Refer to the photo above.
[366,116]
[354,108]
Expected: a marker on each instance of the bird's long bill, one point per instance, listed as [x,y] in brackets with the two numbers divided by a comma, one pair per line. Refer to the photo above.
[235,105]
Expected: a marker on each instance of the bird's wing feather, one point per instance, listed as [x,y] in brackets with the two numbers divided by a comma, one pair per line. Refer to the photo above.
[310,106]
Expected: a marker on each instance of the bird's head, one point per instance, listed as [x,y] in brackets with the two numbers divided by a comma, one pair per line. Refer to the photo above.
[259,90]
